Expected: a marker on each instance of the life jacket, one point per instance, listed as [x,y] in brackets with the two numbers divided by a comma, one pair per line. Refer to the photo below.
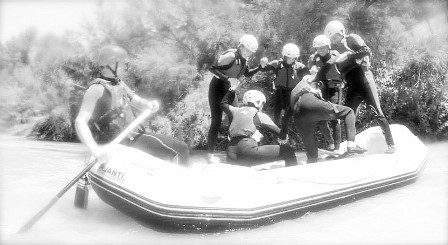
[234,69]
[112,112]
[333,73]
[286,75]
[243,122]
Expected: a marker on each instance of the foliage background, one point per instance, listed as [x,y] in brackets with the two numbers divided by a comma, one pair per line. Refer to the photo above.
[172,44]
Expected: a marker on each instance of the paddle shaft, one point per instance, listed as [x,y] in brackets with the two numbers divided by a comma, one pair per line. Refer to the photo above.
[116,141]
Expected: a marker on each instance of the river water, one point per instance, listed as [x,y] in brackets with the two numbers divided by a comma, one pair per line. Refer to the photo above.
[33,172]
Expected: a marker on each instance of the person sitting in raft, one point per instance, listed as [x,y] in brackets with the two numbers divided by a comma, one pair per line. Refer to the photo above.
[106,110]
[231,65]
[244,134]
[308,108]
[330,86]
[286,78]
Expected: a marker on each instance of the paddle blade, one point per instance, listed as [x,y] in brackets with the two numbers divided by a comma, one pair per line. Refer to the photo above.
[82,193]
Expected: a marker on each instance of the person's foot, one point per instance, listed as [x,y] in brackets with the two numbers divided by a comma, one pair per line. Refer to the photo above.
[355,150]
[390,149]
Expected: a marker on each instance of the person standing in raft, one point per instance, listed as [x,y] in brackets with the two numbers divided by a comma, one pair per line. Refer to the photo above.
[107,108]
[244,134]
[286,78]
[331,86]
[309,108]
[354,66]
[231,65]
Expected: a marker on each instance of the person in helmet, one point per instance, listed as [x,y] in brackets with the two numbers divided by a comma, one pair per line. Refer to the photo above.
[354,65]
[309,108]
[231,65]
[286,78]
[330,86]
[108,107]
[244,135]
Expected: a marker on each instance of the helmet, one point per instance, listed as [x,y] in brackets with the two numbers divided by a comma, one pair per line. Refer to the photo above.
[291,50]
[321,41]
[334,27]
[111,55]
[255,97]
[250,42]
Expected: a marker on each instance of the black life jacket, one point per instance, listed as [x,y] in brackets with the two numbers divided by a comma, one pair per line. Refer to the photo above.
[234,69]
[112,112]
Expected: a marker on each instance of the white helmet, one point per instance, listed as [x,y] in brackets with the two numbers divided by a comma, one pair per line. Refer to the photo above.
[111,54]
[291,50]
[255,97]
[334,27]
[250,42]
[321,41]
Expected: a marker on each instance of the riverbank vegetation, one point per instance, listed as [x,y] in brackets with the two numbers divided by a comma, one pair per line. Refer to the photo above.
[173,43]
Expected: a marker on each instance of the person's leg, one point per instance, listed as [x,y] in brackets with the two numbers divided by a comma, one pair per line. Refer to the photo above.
[313,110]
[373,104]
[335,125]
[249,153]
[326,132]
[161,146]
[278,105]
[217,91]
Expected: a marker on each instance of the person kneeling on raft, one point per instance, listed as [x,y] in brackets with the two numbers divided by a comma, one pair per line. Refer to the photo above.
[244,134]
[308,109]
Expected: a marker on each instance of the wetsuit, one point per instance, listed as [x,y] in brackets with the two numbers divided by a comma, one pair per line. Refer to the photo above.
[230,65]
[286,79]
[360,81]
[113,112]
[308,110]
[243,149]
[331,87]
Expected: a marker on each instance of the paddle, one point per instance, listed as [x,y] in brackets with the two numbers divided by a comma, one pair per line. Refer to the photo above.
[116,141]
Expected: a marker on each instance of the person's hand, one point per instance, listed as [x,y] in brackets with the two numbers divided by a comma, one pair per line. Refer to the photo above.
[316,92]
[101,152]
[234,83]
[257,136]
[314,70]
[263,62]
[153,105]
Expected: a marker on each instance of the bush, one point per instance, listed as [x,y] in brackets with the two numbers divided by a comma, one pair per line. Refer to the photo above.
[56,127]
[414,95]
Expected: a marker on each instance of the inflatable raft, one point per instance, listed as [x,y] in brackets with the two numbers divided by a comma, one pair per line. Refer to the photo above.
[218,195]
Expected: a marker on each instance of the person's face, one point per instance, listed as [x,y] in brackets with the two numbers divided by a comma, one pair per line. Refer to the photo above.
[245,52]
[290,60]
[121,69]
[322,51]
[336,38]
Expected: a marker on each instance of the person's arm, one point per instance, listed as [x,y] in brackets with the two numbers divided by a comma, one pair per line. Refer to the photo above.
[224,63]
[264,121]
[226,102]
[91,97]
[251,72]
[139,102]
[358,46]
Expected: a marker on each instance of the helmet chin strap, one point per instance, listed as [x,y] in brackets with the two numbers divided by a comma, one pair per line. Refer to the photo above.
[114,71]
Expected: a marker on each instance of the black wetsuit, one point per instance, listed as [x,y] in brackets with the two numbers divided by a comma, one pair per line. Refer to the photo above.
[331,87]
[360,81]
[229,65]
[308,110]
[286,78]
